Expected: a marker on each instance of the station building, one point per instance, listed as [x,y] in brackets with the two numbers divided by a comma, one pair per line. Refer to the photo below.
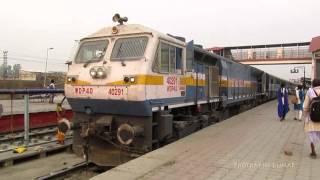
[314,48]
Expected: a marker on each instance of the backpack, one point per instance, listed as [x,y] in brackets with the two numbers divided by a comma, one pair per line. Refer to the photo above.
[315,108]
[294,100]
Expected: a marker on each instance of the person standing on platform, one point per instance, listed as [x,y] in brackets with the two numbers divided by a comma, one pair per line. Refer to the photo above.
[298,107]
[311,126]
[51,86]
[283,105]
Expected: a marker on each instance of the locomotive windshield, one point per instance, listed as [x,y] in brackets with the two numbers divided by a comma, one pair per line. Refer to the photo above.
[92,51]
[129,48]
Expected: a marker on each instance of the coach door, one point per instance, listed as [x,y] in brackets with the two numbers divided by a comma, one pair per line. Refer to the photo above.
[230,86]
[267,84]
[169,64]
[264,83]
[207,79]
[213,81]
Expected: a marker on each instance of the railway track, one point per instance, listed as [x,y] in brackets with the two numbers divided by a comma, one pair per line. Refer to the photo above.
[42,144]
[34,132]
[37,136]
[77,171]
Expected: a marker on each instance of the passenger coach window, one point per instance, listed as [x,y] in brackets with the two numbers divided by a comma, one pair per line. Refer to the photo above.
[168,59]
[92,51]
[129,48]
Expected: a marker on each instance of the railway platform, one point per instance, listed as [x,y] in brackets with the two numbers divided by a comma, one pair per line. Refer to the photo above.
[36,105]
[41,113]
[251,145]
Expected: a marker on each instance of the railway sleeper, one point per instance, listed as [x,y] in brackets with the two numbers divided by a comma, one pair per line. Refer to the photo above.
[10,159]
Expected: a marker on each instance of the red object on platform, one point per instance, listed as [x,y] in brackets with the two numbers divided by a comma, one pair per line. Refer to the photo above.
[37,120]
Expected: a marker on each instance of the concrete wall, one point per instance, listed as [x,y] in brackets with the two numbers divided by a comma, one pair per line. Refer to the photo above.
[17,84]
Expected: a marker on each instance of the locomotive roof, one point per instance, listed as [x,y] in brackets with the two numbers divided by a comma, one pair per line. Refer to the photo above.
[128,29]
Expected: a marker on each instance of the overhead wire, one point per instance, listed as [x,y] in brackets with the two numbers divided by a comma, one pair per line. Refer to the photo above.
[32,57]
[36,59]
[32,60]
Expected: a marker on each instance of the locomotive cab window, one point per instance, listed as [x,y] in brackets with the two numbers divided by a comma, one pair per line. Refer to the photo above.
[129,48]
[168,59]
[92,51]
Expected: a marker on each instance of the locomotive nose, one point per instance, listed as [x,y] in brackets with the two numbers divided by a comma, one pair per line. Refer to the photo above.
[126,133]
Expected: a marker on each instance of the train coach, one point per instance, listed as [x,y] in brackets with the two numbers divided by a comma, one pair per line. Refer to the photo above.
[133,89]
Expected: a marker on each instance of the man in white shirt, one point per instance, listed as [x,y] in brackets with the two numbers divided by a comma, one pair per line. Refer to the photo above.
[51,86]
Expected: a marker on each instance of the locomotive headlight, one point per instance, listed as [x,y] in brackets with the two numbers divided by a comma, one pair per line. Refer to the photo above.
[132,79]
[69,79]
[93,72]
[100,72]
[126,79]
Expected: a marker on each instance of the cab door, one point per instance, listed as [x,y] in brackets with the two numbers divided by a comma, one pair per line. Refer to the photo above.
[207,82]
[169,65]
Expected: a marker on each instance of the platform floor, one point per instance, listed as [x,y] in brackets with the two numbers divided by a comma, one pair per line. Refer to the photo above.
[39,167]
[35,105]
[248,146]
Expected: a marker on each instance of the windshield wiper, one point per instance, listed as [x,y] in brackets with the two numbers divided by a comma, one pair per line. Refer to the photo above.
[90,61]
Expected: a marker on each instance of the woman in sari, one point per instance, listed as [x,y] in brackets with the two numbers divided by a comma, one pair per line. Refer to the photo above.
[283,105]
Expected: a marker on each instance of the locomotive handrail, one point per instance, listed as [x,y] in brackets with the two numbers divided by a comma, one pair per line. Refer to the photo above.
[30,91]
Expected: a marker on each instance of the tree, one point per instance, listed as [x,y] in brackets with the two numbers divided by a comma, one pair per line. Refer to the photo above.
[16,71]
[9,71]
[1,70]
[4,71]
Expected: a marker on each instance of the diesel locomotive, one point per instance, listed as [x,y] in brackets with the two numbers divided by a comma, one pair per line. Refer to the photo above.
[133,89]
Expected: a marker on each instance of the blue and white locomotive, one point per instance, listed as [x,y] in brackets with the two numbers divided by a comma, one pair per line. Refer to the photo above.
[133,89]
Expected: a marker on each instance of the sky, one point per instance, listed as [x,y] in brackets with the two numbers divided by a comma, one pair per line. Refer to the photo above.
[29,28]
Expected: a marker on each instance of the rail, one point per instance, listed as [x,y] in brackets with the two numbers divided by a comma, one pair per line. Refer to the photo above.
[59,174]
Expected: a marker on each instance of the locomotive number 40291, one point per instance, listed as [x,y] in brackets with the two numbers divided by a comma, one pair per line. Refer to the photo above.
[114,91]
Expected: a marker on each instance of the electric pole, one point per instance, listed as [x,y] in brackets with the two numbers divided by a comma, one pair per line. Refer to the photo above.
[5,64]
